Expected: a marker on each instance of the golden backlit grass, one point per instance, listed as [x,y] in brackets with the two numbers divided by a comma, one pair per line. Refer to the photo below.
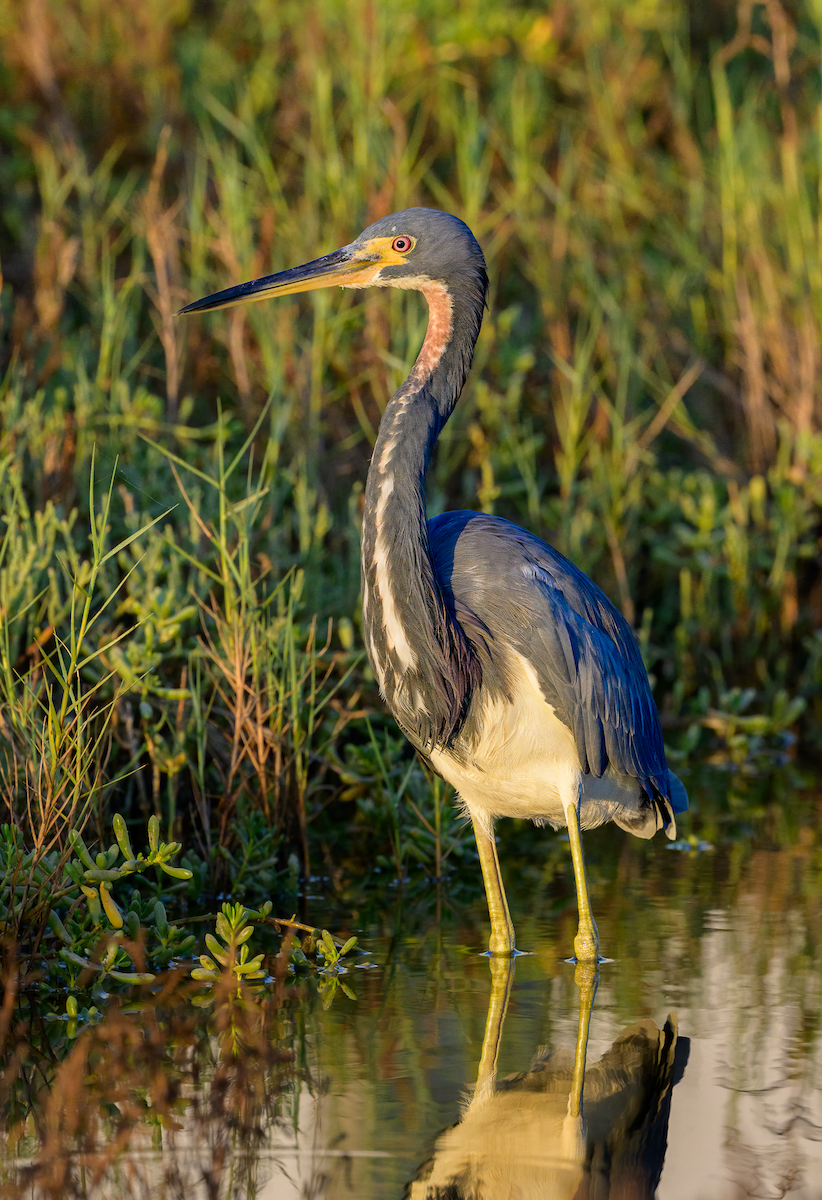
[645,181]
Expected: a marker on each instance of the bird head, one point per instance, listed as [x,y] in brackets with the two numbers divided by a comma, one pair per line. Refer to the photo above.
[413,248]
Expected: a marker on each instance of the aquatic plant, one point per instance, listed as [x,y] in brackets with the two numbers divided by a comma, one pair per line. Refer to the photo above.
[645,393]
[233,954]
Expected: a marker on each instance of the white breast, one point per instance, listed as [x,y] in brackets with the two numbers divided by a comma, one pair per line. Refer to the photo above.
[525,763]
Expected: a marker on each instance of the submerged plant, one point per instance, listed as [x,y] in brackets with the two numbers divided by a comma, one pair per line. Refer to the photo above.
[231,958]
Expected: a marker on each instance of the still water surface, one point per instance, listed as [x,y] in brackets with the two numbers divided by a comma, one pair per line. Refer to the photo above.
[703,1077]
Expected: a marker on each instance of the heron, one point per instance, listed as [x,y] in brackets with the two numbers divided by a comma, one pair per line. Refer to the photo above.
[506,667]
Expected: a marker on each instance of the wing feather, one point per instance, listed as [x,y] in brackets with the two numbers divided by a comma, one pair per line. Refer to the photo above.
[606,700]
[583,652]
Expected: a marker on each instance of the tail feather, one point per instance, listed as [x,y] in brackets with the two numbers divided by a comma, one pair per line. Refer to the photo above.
[657,812]
[677,803]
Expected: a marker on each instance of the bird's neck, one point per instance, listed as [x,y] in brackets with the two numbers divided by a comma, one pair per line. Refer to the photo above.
[417,651]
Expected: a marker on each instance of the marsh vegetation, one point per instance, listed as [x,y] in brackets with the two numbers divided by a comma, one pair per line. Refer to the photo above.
[181,682]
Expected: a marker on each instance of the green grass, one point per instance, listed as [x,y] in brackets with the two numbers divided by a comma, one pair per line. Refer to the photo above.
[179,566]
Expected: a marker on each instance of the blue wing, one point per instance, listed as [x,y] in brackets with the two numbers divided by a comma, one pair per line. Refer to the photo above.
[521,592]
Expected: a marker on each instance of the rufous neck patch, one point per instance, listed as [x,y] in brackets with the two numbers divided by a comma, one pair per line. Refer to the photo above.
[438,334]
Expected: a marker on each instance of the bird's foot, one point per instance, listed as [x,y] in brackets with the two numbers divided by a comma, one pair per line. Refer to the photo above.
[501,943]
[586,943]
[502,940]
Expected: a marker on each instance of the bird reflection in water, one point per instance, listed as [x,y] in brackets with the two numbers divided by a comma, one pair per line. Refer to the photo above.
[560,1130]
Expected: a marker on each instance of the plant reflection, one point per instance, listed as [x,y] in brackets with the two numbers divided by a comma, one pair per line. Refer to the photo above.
[165,1075]
[560,1130]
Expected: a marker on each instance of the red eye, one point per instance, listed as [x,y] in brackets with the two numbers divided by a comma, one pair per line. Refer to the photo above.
[401,244]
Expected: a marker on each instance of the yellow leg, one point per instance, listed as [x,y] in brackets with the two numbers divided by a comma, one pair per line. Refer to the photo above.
[502,977]
[586,943]
[586,977]
[502,929]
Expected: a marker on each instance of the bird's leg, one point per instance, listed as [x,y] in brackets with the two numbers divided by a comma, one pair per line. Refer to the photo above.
[502,977]
[586,977]
[502,929]
[586,943]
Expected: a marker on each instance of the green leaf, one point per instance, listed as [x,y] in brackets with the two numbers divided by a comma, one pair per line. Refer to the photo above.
[216,949]
[160,918]
[133,537]
[57,926]
[75,959]
[80,849]
[118,822]
[176,872]
[253,964]
[154,833]
[74,871]
[93,896]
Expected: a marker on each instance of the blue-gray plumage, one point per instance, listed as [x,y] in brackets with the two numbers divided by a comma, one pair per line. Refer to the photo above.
[503,664]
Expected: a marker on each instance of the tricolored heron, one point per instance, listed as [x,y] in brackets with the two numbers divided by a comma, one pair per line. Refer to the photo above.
[504,665]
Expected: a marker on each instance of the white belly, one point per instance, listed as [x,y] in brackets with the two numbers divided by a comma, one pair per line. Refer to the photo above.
[525,764]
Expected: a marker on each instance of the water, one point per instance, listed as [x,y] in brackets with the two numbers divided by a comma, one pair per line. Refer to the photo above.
[703,1076]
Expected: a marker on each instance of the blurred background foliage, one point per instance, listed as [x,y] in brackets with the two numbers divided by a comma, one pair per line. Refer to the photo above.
[180,499]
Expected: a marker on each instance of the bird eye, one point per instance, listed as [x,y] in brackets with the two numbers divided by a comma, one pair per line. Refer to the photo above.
[401,244]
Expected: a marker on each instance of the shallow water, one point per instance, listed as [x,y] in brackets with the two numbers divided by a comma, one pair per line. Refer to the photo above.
[703,1076]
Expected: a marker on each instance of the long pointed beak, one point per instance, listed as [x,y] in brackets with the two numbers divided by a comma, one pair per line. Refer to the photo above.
[345,268]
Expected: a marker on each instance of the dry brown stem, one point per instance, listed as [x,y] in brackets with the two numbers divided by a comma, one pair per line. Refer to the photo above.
[163,243]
